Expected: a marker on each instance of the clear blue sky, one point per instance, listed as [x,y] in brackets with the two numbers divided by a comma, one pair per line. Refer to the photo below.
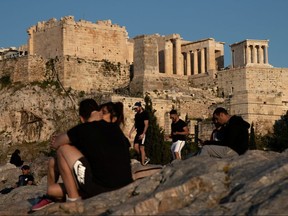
[227,21]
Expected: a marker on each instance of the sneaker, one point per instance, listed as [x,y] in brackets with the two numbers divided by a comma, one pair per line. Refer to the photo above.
[147,160]
[43,203]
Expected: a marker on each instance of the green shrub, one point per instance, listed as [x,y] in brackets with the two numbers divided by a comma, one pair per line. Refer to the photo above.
[5,81]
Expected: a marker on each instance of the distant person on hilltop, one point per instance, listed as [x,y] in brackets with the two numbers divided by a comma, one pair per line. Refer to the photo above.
[141,123]
[16,159]
[25,179]
[179,131]
[234,136]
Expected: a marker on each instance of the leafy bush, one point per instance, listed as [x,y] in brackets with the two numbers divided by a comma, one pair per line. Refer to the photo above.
[156,149]
[276,141]
[5,81]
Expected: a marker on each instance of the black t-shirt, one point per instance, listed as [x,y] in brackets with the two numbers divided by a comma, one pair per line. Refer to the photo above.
[105,147]
[178,127]
[139,121]
[24,179]
[235,135]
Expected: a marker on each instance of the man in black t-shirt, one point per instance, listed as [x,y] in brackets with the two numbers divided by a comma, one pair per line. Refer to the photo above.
[235,136]
[25,179]
[93,157]
[141,123]
[179,130]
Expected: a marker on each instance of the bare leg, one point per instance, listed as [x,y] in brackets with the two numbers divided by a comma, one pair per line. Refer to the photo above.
[143,154]
[53,172]
[177,155]
[57,191]
[136,147]
[67,155]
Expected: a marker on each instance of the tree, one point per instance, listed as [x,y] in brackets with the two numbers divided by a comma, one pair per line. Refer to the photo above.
[252,139]
[280,136]
[155,147]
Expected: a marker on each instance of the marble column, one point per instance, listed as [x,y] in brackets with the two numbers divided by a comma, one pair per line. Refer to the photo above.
[261,53]
[178,56]
[188,63]
[195,68]
[203,60]
[266,55]
[255,57]
[168,67]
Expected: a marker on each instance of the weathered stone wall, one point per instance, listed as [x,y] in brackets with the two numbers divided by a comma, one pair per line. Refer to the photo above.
[15,68]
[91,75]
[203,81]
[46,39]
[84,39]
[37,69]
[24,69]
[193,107]
[257,94]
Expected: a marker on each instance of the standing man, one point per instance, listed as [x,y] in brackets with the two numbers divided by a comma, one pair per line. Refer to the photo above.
[235,138]
[179,130]
[141,122]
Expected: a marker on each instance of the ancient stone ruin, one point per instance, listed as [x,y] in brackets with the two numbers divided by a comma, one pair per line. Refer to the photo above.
[100,57]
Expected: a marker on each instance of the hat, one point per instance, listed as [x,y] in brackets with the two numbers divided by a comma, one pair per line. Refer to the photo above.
[137,104]
[25,167]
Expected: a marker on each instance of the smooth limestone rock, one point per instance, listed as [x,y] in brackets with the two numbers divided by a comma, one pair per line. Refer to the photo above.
[252,184]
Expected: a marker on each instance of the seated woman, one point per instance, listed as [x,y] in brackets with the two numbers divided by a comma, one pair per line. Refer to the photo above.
[92,157]
[16,159]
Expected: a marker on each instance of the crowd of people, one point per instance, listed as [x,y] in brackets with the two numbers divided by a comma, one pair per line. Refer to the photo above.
[94,156]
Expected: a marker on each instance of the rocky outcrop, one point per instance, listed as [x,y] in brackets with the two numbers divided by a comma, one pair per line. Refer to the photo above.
[253,184]
[30,114]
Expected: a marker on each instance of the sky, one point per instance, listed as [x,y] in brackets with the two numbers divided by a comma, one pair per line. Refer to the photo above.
[227,21]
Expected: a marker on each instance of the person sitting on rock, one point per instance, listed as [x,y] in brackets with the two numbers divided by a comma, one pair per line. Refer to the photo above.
[25,179]
[90,160]
[16,159]
[234,136]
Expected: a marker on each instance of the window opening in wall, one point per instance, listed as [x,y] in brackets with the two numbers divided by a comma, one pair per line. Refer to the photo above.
[161,62]
[174,57]
[251,54]
[233,59]
[184,56]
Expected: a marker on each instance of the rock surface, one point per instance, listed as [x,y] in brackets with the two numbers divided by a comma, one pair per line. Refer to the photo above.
[253,184]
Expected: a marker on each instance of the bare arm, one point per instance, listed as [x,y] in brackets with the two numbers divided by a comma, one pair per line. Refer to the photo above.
[132,130]
[59,140]
[146,124]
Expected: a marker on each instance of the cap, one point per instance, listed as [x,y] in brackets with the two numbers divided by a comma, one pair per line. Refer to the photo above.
[137,104]
[25,167]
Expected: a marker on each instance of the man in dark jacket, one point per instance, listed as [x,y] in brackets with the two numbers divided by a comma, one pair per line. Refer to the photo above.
[235,136]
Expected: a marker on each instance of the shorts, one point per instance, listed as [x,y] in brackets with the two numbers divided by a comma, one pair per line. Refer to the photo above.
[141,142]
[177,146]
[84,178]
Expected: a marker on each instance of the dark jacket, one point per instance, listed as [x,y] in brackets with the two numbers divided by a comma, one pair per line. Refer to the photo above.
[235,135]
[16,159]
